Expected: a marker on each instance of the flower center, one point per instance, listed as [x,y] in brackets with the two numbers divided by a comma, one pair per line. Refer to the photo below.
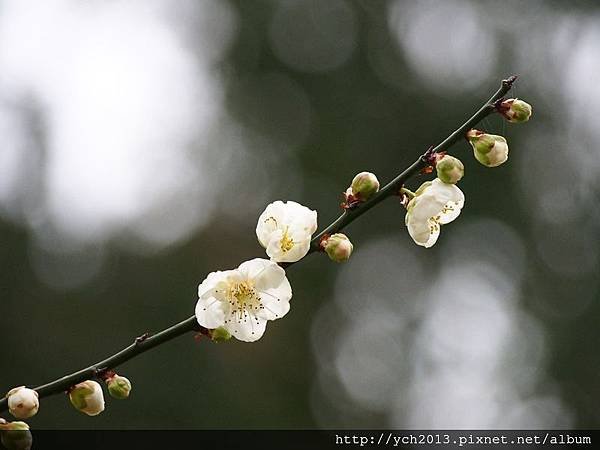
[243,298]
[286,242]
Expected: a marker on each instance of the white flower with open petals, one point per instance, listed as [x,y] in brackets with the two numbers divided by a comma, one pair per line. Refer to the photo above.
[435,203]
[284,229]
[244,299]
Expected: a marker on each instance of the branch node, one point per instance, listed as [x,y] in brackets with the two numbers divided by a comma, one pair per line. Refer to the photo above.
[429,158]
[105,373]
[323,242]
[509,81]
[351,201]
[142,338]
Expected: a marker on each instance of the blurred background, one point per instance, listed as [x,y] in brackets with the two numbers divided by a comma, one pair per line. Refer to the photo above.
[140,140]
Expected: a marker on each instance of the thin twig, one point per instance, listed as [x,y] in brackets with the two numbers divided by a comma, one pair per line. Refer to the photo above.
[147,342]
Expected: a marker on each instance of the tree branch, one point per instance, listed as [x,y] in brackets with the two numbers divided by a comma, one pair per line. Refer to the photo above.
[393,187]
[145,342]
[140,345]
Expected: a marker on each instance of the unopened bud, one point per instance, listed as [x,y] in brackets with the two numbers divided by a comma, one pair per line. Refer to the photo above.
[220,335]
[87,397]
[118,387]
[13,426]
[515,110]
[489,149]
[15,435]
[23,402]
[364,186]
[338,247]
[450,169]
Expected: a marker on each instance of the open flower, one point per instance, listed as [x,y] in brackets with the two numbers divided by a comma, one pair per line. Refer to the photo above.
[435,203]
[244,299]
[284,229]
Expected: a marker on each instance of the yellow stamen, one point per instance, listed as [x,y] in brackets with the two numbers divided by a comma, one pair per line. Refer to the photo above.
[243,298]
[286,242]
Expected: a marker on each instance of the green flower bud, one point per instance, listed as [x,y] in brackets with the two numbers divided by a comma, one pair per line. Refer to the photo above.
[118,387]
[450,169]
[364,186]
[15,436]
[338,247]
[489,149]
[220,335]
[87,397]
[515,110]
[23,402]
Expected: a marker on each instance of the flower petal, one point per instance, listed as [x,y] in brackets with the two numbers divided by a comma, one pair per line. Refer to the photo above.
[273,247]
[426,205]
[296,211]
[212,280]
[453,199]
[499,154]
[248,328]
[446,192]
[433,236]
[419,231]
[210,312]
[276,301]
[270,220]
[264,274]
[450,212]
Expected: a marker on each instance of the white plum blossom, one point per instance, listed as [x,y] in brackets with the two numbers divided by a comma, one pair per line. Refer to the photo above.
[244,299]
[436,203]
[284,229]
